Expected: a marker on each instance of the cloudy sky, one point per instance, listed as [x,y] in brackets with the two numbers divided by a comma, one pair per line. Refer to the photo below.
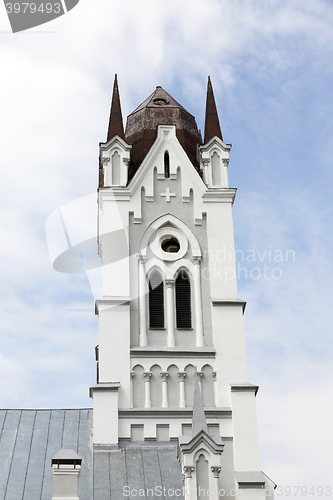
[271,66]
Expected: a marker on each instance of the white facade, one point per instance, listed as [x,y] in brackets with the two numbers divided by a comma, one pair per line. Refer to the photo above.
[146,374]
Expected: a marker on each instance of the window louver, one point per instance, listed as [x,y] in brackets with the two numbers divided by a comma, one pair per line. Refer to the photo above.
[156,301]
[183,301]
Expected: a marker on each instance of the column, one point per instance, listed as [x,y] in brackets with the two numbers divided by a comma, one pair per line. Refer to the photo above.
[143,339]
[106,172]
[199,375]
[198,302]
[216,471]
[124,174]
[165,402]
[224,176]
[216,394]
[188,476]
[170,303]
[207,172]
[182,398]
[132,389]
[147,377]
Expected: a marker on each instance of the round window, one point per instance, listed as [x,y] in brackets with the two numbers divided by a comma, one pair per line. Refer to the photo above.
[170,245]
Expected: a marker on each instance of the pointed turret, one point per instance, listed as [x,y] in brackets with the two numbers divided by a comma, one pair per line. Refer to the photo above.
[212,123]
[116,120]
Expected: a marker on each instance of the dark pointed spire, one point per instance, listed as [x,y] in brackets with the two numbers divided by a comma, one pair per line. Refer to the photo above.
[212,124]
[199,420]
[116,120]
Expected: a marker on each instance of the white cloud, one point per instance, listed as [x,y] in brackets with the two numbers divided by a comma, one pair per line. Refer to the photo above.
[270,62]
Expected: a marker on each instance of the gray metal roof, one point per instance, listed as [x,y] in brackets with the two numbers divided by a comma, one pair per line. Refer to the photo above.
[29,439]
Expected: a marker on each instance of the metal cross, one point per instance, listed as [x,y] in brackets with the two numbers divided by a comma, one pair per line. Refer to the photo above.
[168,195]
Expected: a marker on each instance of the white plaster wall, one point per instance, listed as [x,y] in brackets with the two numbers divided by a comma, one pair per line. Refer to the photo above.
[220,240]
[114,338]
[229,342]
[246,444]
[105,422]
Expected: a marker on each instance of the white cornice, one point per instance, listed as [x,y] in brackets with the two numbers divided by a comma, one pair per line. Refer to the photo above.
[229,302]
[219,195]
[175,352]
[106,303]
[244,387]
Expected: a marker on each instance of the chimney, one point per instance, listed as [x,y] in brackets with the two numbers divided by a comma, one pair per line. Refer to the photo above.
[66,465]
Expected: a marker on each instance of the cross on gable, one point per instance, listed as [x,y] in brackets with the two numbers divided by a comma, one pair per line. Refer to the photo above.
[168,195]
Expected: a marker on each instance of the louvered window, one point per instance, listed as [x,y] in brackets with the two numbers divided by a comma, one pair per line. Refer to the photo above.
[183,301]
[156,301]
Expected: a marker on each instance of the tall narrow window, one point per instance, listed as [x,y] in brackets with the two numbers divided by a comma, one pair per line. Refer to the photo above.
[116,169]
[216,170]
[183,301]
[156,301]
[166,165]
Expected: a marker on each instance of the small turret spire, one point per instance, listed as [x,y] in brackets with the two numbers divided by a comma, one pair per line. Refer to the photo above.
[199,420]
[212,124]
[116,120]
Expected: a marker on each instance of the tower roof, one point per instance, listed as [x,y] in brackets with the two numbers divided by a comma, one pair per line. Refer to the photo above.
[212,123]
[159,109]
[116,120]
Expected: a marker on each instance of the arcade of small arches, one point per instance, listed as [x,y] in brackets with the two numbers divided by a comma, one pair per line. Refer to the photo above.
[174,388]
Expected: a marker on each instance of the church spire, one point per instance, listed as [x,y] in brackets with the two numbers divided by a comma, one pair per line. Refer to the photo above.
[116,120]
[199,420]
[212,124]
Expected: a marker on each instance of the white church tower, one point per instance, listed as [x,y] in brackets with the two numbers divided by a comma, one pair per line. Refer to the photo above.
[170,320]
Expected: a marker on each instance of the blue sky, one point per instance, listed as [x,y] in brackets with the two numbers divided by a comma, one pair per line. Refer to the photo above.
[270,64]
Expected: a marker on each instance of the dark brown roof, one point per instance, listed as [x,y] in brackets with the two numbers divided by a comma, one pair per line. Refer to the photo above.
[212,124]
[159,109]
[116,120]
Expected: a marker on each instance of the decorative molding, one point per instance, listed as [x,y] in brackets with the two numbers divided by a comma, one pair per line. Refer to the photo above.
[250,479]
[216,471]
[145,413]
[219,195]
[229,302]
[244,387]
[188,471]
[168,195]
[105,303]
[104,386]
[175,352]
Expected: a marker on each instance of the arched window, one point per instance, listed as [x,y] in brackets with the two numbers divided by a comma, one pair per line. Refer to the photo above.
[183,301]
[216,170]
[116,169]
[166,165]
[156,301]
